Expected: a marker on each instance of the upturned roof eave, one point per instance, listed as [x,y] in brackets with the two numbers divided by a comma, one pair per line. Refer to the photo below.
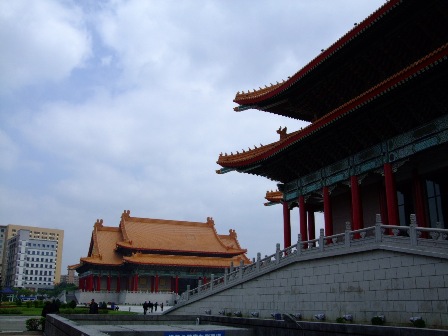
[392,82]
[253,100]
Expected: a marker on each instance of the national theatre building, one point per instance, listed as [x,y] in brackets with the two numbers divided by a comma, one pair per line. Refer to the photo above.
[153,259]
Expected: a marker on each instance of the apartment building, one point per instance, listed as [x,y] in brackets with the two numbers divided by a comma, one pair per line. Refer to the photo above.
[28,259]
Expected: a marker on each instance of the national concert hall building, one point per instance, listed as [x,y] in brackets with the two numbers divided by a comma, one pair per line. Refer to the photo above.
[153,259]
[377,140]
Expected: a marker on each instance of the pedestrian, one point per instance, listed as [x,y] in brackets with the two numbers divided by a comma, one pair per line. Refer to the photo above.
[161,306]
[145,307]
[93,307]
[155,306]
[150,304]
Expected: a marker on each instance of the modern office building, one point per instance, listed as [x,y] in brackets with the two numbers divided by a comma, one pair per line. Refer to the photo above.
[41,241]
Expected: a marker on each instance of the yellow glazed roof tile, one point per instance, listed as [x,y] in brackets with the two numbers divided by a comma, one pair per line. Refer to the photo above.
[181,242]
[169,235]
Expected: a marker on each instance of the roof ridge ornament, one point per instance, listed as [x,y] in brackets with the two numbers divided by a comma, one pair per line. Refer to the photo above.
[210,221]
[98,224]
[282,132]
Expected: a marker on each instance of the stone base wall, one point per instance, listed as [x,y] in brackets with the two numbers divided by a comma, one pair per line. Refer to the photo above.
[125,297]
[397,285]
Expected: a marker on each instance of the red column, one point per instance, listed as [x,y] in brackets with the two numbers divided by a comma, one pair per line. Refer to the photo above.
[311,225]
[152,283]
[90,282]
[136,282]
[286,225]
[108,283]
[356,203]
[177,285]
[328,216]
[81,283]
[419,200]
[391,195]
[157,283]
[302,214]
[98,283]
[118,284]
[383,205]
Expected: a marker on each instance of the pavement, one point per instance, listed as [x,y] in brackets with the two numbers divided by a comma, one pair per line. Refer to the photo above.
[16,324]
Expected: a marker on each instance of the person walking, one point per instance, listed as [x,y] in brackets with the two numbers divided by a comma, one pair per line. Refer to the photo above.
[155,306]
[93,307]
[145,307]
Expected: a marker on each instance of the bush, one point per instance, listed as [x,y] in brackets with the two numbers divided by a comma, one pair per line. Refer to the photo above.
[10,311]
[376,320]
[72,304]
[33,324]
[28,304]
[340,320]
[420,323]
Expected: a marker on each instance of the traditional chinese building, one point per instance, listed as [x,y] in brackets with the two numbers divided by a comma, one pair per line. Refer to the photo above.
[154,256]
[377,141]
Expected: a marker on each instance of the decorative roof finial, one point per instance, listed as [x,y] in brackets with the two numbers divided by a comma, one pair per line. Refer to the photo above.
[282,132]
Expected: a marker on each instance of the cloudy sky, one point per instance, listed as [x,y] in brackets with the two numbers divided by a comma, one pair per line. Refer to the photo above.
[114,105]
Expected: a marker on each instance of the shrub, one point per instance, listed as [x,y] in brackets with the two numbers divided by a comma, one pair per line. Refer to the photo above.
[376,320]
[28,304]
[420,323]
[10,311]
[42,322]
[72,304]
[340,320]
[33,324]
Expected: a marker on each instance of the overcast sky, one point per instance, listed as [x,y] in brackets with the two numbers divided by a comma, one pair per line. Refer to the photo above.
[114,105]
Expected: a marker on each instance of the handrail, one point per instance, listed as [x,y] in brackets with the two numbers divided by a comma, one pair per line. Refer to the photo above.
[415,237]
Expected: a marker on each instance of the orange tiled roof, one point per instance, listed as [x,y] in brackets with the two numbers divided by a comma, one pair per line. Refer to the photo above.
[156,236]
[103,245]
[264,152]
[247,98]
[176,236]
[189,261]
[274,196]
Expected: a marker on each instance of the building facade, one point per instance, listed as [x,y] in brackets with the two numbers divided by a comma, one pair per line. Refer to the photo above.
[45,239]
[377,137]
[145,255]
[2,246]
[70,277]
[30,262]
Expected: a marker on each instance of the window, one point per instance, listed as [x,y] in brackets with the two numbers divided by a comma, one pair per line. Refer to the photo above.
[434,203]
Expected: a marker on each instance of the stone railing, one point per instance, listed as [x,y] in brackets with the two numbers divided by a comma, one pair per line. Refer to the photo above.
[429,241]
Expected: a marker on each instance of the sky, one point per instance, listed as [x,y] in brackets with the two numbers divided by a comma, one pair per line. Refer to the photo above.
[108,106]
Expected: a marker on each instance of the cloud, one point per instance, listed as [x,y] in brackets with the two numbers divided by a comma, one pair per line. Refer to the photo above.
[40,41]
[127,105]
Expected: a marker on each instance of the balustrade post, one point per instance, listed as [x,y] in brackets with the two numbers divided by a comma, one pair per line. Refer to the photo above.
[277,253]
[231,266]
[199,285]
[378,234]
[299,245]
[226,272]
[321,240]
[258,261]
[348,228]
[413,230]
[241,270]
[187,295]
[212,280]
